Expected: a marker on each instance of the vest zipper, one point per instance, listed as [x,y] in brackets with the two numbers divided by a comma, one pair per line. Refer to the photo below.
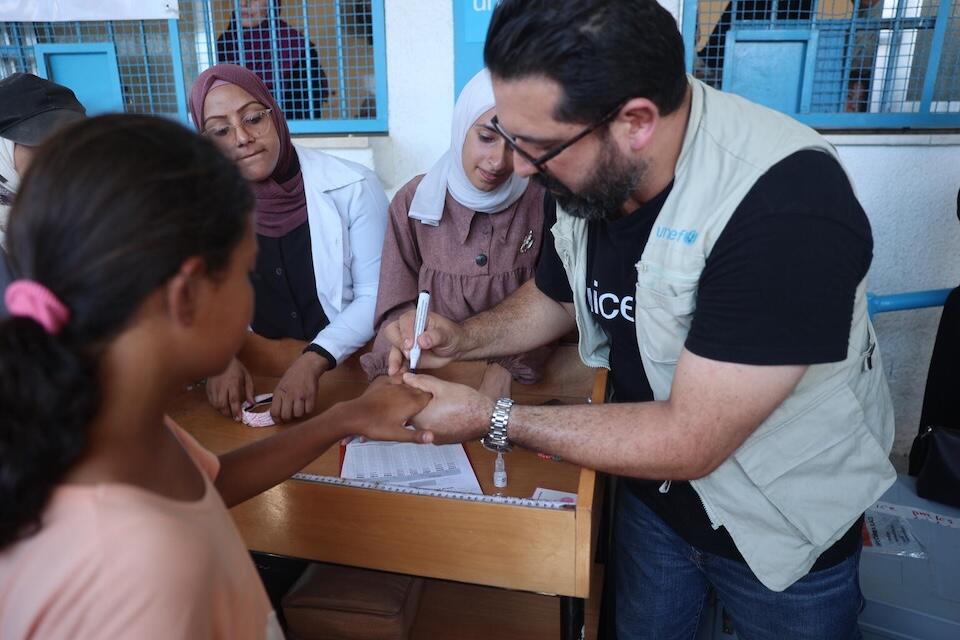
[710,515]
[665,487]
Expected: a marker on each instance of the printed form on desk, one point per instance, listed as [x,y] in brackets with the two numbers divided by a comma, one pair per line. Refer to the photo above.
[425,466]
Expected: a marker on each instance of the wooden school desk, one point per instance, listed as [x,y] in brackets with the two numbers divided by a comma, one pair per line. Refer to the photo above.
[501,545]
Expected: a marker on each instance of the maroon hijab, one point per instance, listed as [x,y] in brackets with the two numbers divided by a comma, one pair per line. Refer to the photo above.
[281,200]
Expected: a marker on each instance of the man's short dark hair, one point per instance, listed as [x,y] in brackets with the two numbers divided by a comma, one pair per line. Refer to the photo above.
[600,52]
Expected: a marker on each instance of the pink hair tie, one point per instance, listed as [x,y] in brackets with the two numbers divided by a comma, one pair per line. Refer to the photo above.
[30,299]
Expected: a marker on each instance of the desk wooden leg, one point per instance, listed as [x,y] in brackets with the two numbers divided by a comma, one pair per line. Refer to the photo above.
[571,618]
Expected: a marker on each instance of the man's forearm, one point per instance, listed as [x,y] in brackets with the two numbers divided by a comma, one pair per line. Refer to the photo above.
[635,439]
[713,407]
[525,320]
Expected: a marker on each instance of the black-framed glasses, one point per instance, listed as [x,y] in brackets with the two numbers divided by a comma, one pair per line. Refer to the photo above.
[553,153]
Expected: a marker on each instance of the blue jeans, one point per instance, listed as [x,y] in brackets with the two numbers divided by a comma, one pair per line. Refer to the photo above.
[662,585]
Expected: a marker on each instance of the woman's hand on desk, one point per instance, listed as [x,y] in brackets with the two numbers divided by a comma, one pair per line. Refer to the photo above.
[296,393]
[228,391]
[440,341]
[455,414]
[383,410]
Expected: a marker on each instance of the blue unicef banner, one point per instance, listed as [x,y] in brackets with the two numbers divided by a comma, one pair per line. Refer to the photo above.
[470,21]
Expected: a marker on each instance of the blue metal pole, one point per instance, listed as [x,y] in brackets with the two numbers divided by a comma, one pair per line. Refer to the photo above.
[688,28]
[211,38]
[936,50]
[896,40]
[907,300]
[279,90]
[21,47]
[309,62]
[173,28]
[146,64]
[341,80]
[379,63]
[241,60]
[849,50]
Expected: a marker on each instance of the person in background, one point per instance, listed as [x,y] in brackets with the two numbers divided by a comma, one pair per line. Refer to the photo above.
[286,62]
[113,520]
[31,110]
[320,223]
[469,231]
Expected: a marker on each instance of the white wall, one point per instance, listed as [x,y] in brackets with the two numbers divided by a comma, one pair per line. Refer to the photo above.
[419,88]
[907,184]
[419,95]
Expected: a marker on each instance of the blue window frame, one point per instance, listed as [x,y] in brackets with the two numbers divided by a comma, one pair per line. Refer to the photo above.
[833,64]
[324,60]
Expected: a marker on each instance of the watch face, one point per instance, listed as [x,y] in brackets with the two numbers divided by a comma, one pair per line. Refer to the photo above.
[490,445]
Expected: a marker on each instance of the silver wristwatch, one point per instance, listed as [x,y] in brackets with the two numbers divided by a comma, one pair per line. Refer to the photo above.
[496,438]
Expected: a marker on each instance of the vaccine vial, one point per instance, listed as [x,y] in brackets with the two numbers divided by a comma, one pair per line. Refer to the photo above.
[499,472]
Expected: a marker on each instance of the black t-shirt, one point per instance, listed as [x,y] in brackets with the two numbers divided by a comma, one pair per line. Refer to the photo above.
[777,289]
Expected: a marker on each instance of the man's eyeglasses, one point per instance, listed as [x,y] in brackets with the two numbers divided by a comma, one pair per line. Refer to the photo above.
[538,163]
[255,123]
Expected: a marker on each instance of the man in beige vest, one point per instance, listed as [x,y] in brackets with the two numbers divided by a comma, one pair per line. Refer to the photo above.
[712,255]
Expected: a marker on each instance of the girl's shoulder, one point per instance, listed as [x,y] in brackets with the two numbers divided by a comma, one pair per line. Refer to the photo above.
[110,555]
[404,194]
[98,537]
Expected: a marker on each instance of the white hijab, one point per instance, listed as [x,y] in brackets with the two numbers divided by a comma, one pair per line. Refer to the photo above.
[8,185]
[448,174]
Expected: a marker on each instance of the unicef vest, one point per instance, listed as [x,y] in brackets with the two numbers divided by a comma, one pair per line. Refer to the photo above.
[801,480]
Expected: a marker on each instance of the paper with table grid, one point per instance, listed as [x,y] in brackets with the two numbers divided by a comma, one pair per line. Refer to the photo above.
[444,467]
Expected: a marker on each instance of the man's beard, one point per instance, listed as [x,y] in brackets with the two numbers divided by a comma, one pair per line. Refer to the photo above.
[613,182]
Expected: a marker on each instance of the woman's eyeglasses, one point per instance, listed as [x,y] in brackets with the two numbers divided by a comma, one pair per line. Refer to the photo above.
[254,123]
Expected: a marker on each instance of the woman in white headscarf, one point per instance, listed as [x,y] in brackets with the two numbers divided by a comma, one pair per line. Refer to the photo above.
[469,231]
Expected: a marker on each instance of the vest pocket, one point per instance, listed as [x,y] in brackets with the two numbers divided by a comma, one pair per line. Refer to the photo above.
[819,469]
[665,302]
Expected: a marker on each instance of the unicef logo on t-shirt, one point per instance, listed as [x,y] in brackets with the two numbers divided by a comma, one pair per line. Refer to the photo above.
[686,236]
[609,305]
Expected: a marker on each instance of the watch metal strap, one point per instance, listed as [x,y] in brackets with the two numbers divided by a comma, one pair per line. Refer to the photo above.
[496,438]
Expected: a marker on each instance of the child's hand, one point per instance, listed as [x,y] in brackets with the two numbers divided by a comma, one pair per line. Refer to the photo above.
[228,391]
[383,410]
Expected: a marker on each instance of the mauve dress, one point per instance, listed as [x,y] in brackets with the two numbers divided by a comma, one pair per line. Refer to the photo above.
[469,263]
